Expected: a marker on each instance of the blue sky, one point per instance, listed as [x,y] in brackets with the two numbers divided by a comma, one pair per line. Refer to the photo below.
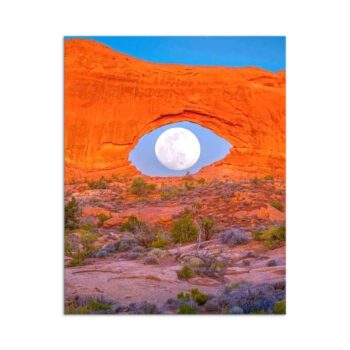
[266,52]
[213,148]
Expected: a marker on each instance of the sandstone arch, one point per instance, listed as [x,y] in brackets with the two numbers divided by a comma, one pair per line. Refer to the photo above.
[111,100]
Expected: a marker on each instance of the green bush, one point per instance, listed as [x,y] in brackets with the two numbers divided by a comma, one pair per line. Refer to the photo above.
[257,235]
[133,224]
[102,218]
[87,240]
[89,307]
[280,307]
[101,183]
[78,259]
[194,295]
[187,309]
[278,205]
[160,242]
[71,211]
[198,297]
[272,238]
[184,229]
[185,273]
[269,177]
[140,187]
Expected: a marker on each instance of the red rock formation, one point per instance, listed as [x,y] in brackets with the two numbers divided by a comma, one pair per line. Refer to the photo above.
[111,100]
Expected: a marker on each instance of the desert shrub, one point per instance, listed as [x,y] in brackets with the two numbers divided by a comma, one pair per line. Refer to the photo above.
[141,231]
[198,297]
[133,224]
[201,181]
[188,308]
[168,192]
[195,295]
[140,187]
[78,259]
[159,242]
[101,183]
[143,308]
[255,180]
[185,273]
[184,230]
[274,237]
[87,239]
[268,177]
[280,307]
[207,225]
[233,236]
[257,235]
[278,205]
[88,306]
[151,260]
[189,185]
[88,227]
[271,238]
[102,218]
[71,211]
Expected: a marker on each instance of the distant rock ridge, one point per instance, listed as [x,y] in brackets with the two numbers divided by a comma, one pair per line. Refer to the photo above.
[111,100]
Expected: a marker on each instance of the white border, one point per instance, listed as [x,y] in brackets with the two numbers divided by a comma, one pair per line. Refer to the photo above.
[31,63]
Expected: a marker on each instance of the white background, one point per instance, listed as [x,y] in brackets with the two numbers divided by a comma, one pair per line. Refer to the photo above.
[31,176]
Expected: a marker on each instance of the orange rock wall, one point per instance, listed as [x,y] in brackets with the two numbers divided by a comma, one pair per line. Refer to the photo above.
[111,100]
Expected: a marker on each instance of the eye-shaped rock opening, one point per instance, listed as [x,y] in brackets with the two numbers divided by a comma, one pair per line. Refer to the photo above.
[178,149]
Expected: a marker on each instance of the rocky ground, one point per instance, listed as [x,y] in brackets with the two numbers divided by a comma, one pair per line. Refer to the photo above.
[126,272]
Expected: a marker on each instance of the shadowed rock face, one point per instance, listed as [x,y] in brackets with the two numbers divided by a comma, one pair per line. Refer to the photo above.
[111,100]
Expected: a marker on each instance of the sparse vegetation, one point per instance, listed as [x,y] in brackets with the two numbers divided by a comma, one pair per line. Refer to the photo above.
[276,204]
[184,230]
[272,238]
[168,192]
[280,307]
[233,236]
[140,187]
[90,306]
[255,180]
[201,181]
[207,225]
[99,184]
[71,211]
[194,295]
[185,273]
[268,177]
[102,218]
[189,185]
[188,309]
[160,242]
[87,248]
[133,224]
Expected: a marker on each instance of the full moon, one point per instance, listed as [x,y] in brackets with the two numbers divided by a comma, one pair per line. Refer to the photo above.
[177,148]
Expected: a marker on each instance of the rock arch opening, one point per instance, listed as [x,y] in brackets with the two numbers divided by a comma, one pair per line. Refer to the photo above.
[177,149]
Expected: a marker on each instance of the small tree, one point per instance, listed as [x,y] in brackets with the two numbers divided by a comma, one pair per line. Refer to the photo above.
[71,210]
[184,229]
[207,225]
